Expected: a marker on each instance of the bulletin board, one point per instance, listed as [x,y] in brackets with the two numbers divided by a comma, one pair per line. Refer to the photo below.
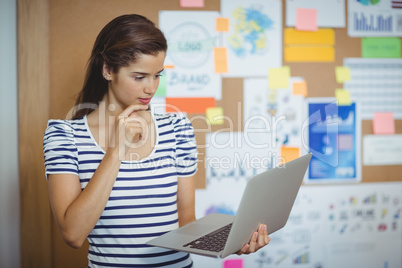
[74,25]
[73,29]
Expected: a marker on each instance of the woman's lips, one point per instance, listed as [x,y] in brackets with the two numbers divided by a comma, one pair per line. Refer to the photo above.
[144,100]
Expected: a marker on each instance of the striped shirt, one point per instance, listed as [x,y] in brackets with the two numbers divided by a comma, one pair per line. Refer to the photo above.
[142,204]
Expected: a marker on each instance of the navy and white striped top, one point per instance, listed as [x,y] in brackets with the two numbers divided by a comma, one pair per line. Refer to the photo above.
[142,204]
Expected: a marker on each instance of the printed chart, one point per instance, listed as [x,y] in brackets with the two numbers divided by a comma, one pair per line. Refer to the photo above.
[374,18]
[376,84]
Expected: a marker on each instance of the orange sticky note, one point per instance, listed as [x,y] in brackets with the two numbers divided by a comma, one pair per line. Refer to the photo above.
[300,88]
[322,37]
[221,62]
[222,24]
[343,97]
[383,123]
[309,53]
[189,105]
[168,66]
[289,153]
[192,3]
[306,19]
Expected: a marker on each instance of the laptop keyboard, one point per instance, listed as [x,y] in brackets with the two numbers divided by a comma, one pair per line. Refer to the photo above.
[214,241]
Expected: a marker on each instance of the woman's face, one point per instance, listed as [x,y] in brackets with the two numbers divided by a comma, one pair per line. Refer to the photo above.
[136,83]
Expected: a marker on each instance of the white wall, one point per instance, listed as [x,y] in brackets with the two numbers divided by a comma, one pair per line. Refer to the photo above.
[9,180]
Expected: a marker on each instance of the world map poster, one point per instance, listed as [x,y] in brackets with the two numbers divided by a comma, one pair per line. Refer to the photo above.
[254,39]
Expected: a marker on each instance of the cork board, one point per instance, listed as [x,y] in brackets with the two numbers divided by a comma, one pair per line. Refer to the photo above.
[74,26]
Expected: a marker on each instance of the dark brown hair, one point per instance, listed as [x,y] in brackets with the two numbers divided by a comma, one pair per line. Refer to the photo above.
[118,45]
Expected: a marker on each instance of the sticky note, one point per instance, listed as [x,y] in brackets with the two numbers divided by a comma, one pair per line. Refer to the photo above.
[221,62]
[168,66]
[343,97]
[192,3]
[306,19]
[323,36]
[383,123]
[233,263]
[289,153]
[214,115]
[342,74]
[300,88]
[279,77]
[309,54]
[189,105]
[222,24]
[345,142]
[381,47]
[161,91]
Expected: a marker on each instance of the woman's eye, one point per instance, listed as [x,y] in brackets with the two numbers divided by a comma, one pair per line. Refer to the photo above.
[158,75]
[139,77]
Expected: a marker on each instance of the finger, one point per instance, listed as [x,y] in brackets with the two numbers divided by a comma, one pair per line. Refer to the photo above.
[133,108]
[253,242]
[267,238]
[137,125]
[262,235]
[244,249]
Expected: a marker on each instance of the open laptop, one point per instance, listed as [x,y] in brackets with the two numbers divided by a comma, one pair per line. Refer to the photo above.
[267,199]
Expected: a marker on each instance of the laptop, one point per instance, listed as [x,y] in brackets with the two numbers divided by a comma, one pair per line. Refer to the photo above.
[267,199]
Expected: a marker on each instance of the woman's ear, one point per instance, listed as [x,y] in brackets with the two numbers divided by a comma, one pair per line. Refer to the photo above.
[106,72]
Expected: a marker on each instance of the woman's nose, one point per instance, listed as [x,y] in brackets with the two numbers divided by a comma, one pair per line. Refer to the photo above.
[152,86]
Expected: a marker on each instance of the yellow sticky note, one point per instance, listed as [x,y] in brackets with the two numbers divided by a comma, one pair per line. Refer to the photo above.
[214,115]
[289,153]
[343,97]
[279,77]
[342,74]
[309,54]
[300,88]
[221,62]
[323,36]
[222,24]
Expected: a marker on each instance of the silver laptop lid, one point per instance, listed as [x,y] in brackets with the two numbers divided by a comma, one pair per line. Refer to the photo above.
[268,198]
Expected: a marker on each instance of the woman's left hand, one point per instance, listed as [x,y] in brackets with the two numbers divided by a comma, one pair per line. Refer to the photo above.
[258,240]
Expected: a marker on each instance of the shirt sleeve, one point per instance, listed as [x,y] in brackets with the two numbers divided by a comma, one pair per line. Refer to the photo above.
[186,147]
[60,151]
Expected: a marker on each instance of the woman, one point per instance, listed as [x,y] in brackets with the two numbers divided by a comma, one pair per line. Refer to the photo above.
[117,174]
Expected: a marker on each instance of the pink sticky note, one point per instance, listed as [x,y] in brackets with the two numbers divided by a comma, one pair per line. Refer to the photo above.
[345,142]
[233,263]
[383,123]
[192,3]
[306,19]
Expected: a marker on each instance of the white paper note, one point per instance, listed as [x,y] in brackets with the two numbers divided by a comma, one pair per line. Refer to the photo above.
[380,150]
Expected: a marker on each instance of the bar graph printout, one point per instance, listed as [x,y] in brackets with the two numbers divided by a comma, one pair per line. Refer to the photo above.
[376,84]
[374,18]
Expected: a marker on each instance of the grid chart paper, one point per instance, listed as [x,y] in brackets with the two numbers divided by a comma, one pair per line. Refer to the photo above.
[376,84]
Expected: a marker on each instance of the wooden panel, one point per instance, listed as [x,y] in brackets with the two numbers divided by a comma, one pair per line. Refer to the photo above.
[73,26]
[33,87]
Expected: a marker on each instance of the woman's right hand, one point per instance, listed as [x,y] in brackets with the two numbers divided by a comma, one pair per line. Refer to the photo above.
[131,129]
